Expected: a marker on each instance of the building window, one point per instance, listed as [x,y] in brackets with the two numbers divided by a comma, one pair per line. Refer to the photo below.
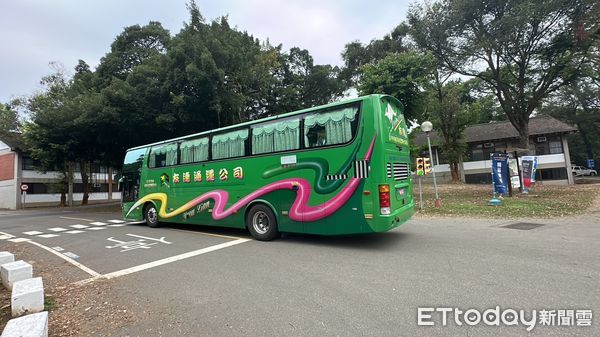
[555,147]
[559,173]
[477,152]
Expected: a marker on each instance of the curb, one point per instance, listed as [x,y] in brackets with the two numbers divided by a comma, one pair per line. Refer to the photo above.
[27,299]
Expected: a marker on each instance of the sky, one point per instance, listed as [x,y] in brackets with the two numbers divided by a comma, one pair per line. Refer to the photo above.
[34,33]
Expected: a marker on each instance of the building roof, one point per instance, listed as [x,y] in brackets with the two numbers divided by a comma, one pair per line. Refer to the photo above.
[539,125]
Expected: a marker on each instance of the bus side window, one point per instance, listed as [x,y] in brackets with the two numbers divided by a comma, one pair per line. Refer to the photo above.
[330,127]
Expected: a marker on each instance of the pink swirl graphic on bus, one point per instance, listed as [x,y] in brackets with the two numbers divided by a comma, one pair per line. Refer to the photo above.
[299,211]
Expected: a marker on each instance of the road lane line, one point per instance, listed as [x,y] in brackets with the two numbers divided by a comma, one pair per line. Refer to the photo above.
[71,261]
[98,223]
[164,261]
[80,219]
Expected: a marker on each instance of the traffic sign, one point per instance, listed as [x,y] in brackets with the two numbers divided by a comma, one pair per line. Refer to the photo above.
[24,187]
[591,163]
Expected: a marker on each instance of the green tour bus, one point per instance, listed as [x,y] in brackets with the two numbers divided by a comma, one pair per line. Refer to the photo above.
[340,168]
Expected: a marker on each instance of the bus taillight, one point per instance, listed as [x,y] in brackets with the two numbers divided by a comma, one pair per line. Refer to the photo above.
[384,199]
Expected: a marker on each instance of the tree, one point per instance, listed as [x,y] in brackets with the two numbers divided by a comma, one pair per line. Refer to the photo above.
[10,125]
[579,104]
[452,108]
[404,76]
[356,55]
[522,50]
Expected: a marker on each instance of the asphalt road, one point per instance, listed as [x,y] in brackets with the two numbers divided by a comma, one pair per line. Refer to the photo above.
[197,281]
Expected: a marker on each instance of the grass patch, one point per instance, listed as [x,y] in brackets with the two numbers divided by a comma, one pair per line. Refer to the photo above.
[542,202]
[49,303]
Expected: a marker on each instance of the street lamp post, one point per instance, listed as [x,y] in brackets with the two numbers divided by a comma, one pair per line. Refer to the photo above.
[427,127]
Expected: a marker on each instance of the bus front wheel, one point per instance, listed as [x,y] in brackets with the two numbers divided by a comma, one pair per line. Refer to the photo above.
[262,223]
[151,216]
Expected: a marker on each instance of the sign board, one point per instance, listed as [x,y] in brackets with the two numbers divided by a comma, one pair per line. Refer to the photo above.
[24,187]
[591,163]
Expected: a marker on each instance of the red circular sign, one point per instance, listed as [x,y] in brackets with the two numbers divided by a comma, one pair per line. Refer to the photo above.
[24,187]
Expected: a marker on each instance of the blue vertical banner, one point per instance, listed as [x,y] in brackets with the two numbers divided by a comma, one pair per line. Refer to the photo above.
[500,172]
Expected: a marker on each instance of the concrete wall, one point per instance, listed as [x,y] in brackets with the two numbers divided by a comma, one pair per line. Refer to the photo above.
[34,200]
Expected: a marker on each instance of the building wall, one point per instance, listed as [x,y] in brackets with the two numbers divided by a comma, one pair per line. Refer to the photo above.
[8,181]
[34,200]
[550,161]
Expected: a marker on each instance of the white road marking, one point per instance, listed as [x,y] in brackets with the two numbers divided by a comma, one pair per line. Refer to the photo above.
[75,232]
[96,228]
[33,233]
[5,236]
[164,261]
[117,225]
[66,258]
[80,219]
[98,223]
[57,229]
[79,226]
[17,240]
[47,236]
[116,221]
[58,249]
[71,255]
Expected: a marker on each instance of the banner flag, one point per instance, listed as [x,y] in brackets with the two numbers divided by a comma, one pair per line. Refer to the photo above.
[529,166]
[500,172]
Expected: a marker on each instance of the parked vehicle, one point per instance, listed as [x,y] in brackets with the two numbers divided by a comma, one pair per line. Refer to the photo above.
[583,171]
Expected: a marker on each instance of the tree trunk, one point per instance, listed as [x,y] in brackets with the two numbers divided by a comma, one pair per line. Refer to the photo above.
[454,171]
[63,198]
[523,129]
[70,184]
[85,181]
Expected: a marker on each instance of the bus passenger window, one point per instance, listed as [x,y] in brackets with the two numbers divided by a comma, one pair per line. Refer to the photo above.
[331,127]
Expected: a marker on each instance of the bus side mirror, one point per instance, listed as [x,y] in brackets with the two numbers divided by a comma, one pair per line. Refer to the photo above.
[119,183]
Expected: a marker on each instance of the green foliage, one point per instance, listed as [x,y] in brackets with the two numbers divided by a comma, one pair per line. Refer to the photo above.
[151,86]
[579,104]
[451,109]
[356,55]
[10,125]
[403,76]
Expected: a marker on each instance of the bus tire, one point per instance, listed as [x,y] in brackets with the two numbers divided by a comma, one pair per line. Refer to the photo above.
[262,223]
[151,216]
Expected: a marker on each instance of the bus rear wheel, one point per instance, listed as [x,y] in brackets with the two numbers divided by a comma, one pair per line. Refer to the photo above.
[151,216]
[262,223]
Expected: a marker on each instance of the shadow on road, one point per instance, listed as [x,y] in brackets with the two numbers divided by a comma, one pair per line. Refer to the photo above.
[375,241]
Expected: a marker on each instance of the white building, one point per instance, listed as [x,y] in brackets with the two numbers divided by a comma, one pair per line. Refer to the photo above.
[547,139]
[17,169]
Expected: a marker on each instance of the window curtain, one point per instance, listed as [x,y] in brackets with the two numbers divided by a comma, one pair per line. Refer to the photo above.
[229,144]
[279,136]
[337,124]
[169,150]
[193,151]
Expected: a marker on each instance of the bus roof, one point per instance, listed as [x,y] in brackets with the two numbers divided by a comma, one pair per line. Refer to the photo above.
[266,119]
